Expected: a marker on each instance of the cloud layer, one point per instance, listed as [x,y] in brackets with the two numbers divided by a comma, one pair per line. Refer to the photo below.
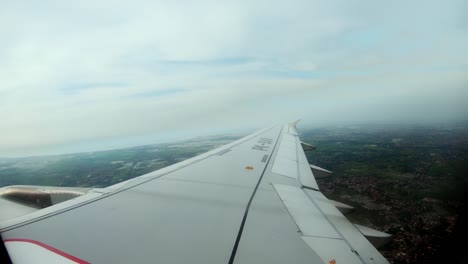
[88,75]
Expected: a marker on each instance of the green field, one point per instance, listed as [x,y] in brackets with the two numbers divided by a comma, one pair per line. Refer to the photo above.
[103,168]
[407,181]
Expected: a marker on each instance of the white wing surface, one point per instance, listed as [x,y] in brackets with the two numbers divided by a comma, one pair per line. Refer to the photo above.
[252,201]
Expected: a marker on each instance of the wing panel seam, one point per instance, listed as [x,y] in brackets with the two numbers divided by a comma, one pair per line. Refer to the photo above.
[334,227]
[241,229]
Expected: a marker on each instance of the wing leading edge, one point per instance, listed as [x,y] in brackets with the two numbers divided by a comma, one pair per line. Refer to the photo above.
[252,201]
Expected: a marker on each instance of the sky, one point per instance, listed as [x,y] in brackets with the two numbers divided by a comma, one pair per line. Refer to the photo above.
[92,75]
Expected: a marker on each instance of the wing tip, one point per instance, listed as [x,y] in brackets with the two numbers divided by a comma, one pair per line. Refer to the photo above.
[294,123]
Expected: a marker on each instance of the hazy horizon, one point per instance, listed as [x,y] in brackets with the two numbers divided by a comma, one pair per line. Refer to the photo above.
[104,75]
[303,127]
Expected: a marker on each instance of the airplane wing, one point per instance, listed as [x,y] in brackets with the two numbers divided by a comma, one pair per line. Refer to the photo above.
[254,200]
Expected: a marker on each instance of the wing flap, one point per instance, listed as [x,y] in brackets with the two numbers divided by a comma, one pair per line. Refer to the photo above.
[324,228]
[367,252]
[285,162]
[332,249]
[307,216]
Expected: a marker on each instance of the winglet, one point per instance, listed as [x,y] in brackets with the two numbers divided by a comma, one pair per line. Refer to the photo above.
[292,127]
[295,123]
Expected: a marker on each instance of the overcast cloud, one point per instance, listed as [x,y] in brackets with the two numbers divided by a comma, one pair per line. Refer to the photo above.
[89,75]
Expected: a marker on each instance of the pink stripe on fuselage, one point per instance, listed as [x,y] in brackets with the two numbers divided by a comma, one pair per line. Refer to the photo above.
[50,248]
